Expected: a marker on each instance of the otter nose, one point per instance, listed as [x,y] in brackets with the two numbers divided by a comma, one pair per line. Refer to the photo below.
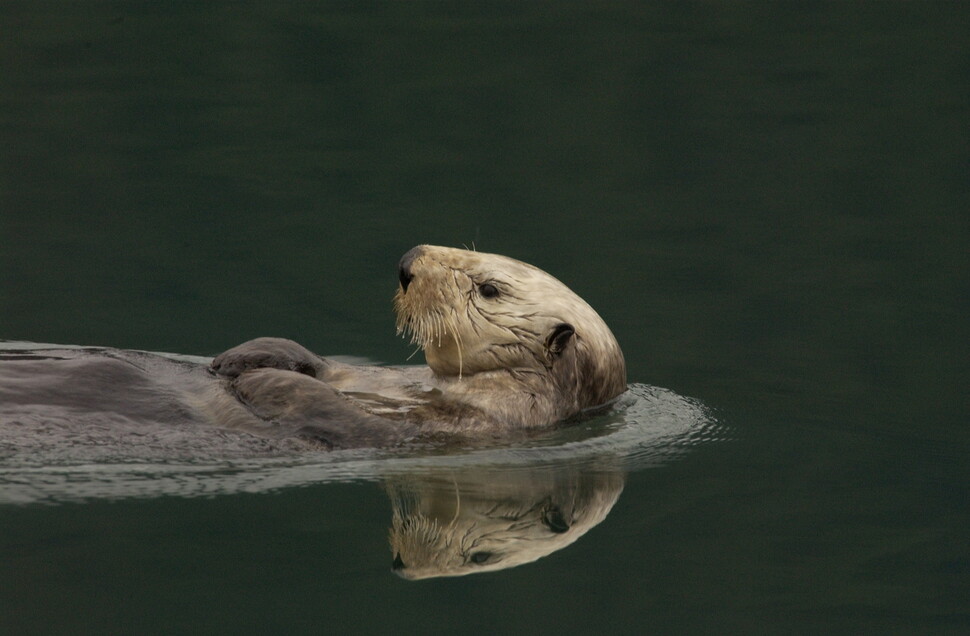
[404,267]
[398,564]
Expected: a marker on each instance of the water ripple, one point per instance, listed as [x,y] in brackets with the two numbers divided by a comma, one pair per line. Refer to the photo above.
[649,426]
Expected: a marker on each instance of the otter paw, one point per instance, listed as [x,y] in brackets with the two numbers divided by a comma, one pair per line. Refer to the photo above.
[271,353]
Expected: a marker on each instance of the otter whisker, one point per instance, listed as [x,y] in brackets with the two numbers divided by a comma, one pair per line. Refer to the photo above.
[460,362]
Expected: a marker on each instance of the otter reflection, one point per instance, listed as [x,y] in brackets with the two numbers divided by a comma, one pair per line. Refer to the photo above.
[457,523]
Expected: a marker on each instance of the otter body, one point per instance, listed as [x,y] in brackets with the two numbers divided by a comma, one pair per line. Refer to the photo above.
[509,348]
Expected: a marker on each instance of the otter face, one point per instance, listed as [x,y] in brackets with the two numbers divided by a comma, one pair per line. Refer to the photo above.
[473,312]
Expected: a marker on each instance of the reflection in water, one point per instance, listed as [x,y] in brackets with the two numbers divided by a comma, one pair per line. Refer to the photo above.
[448,523]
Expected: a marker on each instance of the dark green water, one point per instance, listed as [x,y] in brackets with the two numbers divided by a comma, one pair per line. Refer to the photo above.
[768,204]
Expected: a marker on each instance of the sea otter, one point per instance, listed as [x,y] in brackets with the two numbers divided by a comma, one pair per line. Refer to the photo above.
[509,348]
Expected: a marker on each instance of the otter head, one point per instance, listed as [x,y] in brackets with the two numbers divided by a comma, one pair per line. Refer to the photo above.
[473,312]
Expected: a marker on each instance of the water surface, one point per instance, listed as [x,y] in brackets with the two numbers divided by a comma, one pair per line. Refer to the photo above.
[767,204]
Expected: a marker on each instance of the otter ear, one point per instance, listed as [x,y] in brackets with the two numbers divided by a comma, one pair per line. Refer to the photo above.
[560,337]
[553,519]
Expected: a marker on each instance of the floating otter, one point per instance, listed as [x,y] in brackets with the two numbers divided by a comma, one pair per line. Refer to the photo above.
[509,348]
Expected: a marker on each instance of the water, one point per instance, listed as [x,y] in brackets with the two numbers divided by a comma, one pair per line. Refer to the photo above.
[768,205]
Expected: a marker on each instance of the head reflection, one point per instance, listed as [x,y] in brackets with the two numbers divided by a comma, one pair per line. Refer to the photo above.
[453,523]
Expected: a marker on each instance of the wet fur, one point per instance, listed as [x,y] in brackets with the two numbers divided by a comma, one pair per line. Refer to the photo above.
[524,356]
[499,365]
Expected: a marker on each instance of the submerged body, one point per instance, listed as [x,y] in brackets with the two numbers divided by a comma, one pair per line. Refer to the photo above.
[509,348]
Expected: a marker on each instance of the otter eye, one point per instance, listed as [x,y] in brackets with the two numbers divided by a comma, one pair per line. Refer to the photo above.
[488,290]
[479,558]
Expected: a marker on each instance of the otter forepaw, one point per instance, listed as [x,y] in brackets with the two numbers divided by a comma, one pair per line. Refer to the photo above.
[271,353]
